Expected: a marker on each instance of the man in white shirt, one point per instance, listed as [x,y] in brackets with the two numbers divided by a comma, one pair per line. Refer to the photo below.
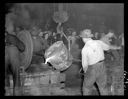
[93,62]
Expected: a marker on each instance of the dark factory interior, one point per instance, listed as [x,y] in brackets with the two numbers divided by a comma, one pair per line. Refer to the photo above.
[44,48]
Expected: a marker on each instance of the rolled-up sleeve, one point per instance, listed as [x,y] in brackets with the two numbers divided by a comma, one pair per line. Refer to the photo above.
[84,58]
[104,45]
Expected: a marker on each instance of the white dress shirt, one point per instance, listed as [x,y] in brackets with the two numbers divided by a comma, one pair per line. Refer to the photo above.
[93,52]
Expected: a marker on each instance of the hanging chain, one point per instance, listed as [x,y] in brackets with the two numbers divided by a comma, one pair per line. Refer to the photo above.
[54,8]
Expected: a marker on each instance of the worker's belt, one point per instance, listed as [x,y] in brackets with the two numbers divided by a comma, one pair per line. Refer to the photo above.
[101,61]
[97,62]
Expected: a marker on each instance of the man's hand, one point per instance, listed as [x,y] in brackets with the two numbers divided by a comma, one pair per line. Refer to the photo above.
[115,47]
[85,69]
[119,47]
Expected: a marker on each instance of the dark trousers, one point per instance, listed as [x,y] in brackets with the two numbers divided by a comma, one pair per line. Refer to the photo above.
[95,73]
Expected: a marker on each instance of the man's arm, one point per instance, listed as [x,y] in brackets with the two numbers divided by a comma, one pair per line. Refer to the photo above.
[84,60]
[114,47]
[108,46]
[12,39]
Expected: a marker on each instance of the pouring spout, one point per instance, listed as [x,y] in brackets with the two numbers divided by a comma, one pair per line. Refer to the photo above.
[45,62]
[49,59]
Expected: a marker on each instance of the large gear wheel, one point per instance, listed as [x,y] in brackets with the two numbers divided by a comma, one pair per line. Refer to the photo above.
[26,56]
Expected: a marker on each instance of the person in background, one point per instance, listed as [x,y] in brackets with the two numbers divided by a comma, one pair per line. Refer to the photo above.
[73,46]
[102,35]
[9,24]
[72,38]
[108,40]
[46,36]
[50,37]
[41,34]
[108,37]
[122,39]
[59,33]
[93,63]
[39,43]
[54,36]
[96,35]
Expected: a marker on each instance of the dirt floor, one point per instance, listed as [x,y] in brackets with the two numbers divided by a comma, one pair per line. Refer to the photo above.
[73,82]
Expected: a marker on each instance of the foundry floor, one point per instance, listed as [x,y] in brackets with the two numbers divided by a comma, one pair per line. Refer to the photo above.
[73,84]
